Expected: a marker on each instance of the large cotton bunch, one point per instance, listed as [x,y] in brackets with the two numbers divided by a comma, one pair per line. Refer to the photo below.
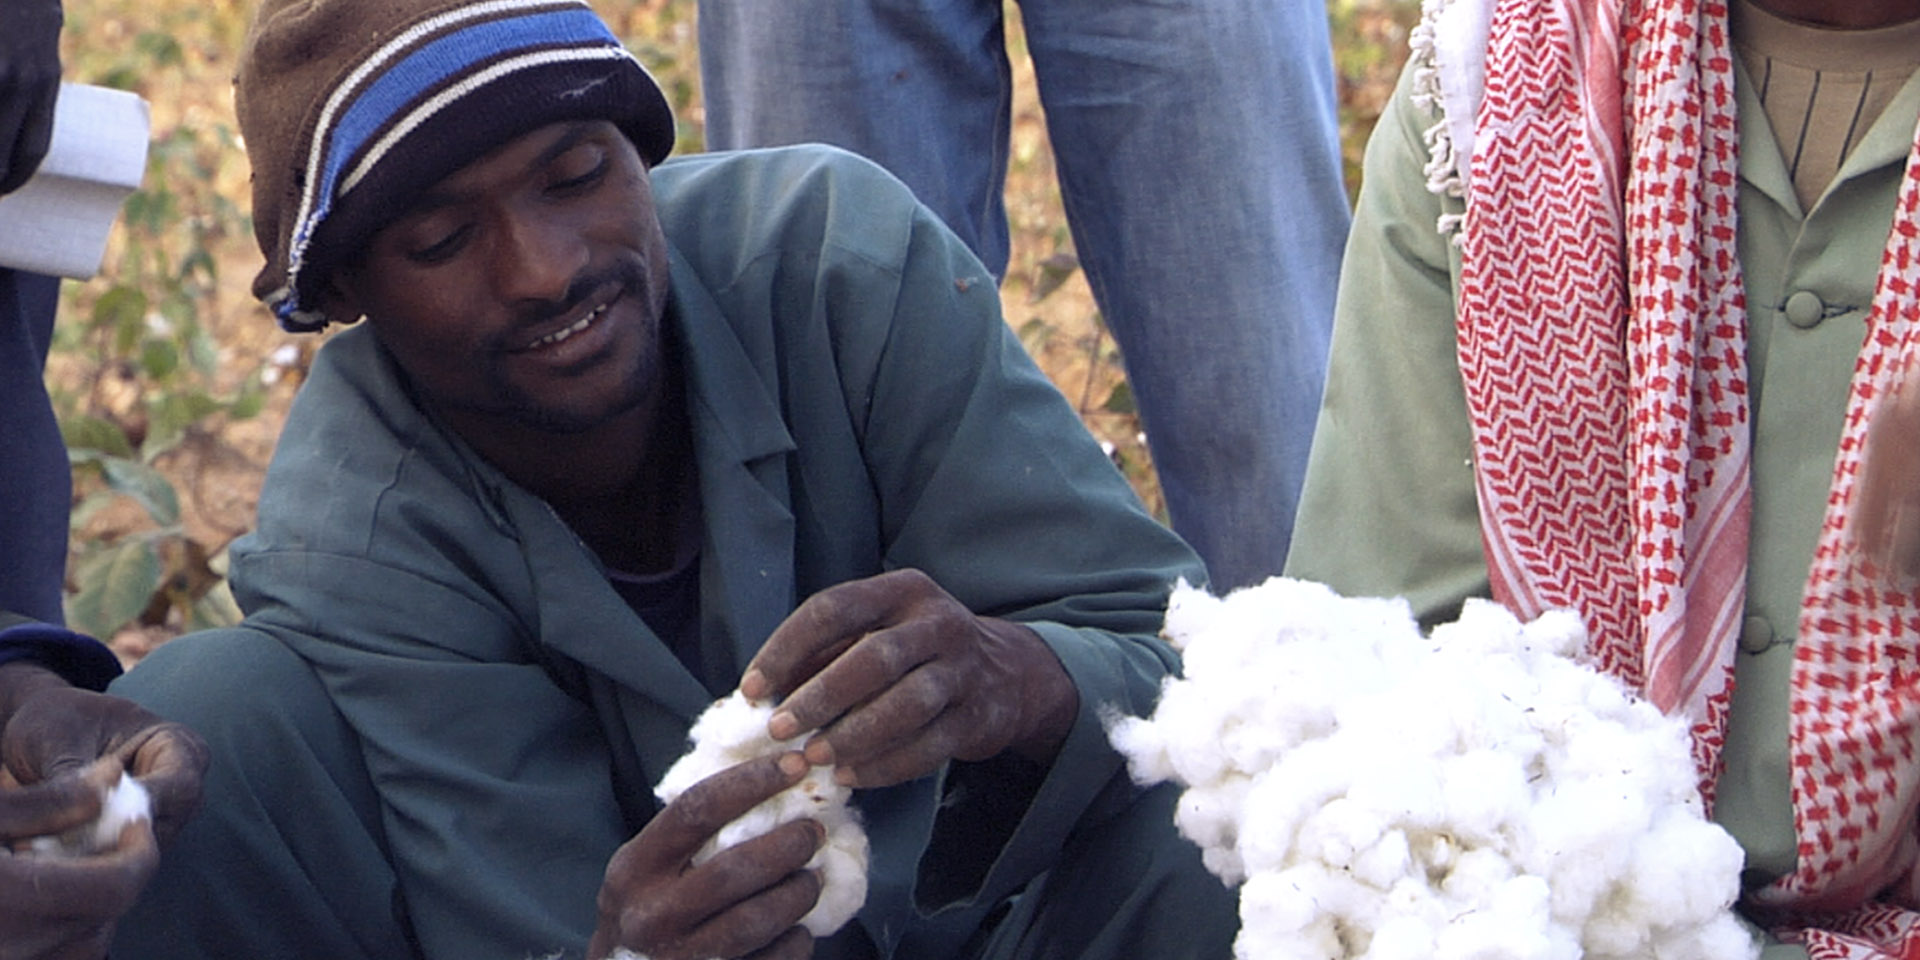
[1476,793]
[734,730]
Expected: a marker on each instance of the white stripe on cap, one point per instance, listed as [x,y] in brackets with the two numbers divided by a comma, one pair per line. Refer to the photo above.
[378,60]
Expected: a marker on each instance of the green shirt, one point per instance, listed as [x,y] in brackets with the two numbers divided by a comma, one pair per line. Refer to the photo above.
[1389,506]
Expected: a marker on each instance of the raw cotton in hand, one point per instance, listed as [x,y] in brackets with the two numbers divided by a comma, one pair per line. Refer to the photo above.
[126,802]
[1386,795]
[733,731]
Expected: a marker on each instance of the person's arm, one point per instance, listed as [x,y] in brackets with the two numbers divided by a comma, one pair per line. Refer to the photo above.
[83,661]
[991,487]
[61,746]
[29,85]
[1389,507]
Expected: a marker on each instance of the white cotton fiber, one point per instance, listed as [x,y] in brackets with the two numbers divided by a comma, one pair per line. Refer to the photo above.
[125,802]
[1473,794]
[733,731]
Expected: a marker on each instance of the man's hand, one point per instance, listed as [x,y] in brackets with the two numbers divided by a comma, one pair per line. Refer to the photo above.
[60,749]
[1887,492]
[900,678]
[60,909]
[29,84]
[745,901]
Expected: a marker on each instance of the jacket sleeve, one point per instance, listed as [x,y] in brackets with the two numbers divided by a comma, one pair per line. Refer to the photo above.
[1388,507]
[80,659]
[992,485]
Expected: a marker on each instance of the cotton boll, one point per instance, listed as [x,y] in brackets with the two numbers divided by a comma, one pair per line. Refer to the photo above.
[1724,936]
[1685,871]
[1401,938]
[733,731]
[1338,832]
[1211,819]
[1513,924]
[127,801]
[1281,920]
[1386,863]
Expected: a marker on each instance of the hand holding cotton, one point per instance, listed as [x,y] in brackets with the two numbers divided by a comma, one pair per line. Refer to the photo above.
[1477,793]
[733,731]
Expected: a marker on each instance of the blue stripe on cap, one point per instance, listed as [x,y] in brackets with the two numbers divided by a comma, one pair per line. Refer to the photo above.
[448,56]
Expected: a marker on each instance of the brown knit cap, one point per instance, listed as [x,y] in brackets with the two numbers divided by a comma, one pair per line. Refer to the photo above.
[350,107]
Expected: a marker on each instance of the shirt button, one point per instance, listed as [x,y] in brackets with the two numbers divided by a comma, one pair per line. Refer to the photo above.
[1804,309]
[1756,635]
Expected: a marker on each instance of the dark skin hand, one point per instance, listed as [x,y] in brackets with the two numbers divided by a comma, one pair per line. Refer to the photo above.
[61,746]
[900,678]
[746,901]
[29,85]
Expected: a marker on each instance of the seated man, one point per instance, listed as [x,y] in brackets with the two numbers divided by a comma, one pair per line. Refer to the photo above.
[613,440]
[1639,386]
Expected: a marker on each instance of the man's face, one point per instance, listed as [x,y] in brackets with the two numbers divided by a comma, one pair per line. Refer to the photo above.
[527,288]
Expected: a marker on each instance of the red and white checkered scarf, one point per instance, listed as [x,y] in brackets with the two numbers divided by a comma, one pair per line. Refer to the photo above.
[1602,335]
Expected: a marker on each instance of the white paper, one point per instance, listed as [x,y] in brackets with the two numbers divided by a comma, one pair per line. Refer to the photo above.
[57,222]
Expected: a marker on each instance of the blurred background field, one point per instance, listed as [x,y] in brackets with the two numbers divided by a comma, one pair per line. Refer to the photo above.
[171,382]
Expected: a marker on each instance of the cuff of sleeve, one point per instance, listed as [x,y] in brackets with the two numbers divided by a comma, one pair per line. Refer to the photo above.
[80,659]
[1027,840]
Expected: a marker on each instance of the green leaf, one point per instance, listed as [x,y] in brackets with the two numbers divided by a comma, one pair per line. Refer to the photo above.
[1120,400]
[204,352]
[251,399]
[115,584]
[159,358]
[163,48]
[91,505]
[169,416]
[216,608]
[144,484]
[119,308]
[95,433]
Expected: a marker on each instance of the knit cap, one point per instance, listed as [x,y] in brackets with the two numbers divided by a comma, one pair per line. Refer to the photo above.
[350,108]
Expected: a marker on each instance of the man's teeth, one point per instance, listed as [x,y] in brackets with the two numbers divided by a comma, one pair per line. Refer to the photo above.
[565,332]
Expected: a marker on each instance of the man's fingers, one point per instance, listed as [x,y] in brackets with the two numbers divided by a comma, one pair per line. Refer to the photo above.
[171,762]
[98,887]
[763,922]
[874,665]
[679,830]
[816,632]
[47,808]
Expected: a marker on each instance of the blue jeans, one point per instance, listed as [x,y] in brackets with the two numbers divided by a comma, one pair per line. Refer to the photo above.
[35,483]
[1198,152]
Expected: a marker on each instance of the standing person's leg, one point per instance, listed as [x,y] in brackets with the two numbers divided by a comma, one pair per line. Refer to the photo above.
[35,484]
[1200,161]
[920,86]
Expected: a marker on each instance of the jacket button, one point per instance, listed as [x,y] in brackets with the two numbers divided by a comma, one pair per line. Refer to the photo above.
[1804,309]
[1756,635]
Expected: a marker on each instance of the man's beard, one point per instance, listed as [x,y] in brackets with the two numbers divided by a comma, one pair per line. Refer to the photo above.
[514,403]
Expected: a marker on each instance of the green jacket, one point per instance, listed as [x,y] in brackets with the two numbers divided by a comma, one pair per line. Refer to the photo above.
[858,405]
[1389,505]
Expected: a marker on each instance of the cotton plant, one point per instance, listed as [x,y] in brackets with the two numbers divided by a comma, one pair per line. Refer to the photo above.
[1473,794]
